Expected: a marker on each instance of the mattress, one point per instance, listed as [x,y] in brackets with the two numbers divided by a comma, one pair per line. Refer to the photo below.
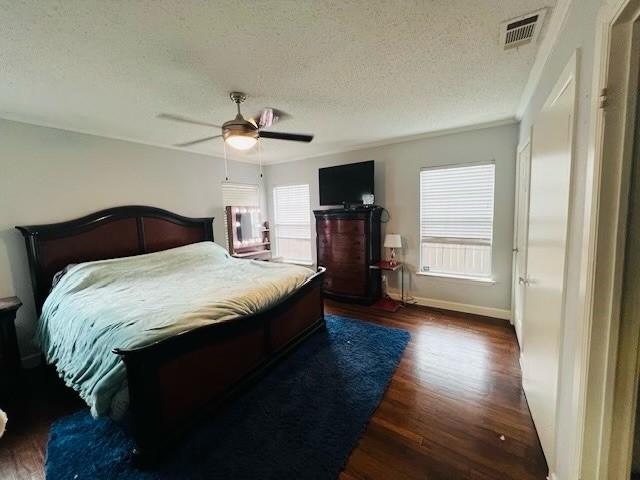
[135,301]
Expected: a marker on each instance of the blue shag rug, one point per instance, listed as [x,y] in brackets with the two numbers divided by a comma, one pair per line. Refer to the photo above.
[300,421]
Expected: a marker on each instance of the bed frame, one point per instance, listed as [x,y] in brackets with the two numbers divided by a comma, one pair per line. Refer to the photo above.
[176,381]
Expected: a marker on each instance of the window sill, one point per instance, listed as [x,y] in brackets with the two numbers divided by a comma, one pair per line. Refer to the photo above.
[483,280]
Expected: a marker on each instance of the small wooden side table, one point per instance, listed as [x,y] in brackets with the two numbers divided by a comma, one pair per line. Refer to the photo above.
[9,352]
[389,304]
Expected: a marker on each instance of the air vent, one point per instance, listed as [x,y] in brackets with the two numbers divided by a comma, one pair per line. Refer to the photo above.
[522,30]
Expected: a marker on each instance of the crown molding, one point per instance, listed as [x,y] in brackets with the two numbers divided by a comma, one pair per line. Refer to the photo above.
[231,157]
[404,139]
[254,161]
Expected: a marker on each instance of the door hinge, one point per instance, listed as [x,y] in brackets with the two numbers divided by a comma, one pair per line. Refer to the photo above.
[602,99]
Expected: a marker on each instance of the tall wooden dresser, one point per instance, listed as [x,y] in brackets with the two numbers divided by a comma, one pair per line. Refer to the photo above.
[348,243]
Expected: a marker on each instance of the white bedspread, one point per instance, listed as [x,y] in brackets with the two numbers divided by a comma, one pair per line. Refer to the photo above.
[134,301]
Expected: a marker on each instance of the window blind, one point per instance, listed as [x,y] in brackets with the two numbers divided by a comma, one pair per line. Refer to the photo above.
[240,195]
[456,204]
[292,222]
[291,205]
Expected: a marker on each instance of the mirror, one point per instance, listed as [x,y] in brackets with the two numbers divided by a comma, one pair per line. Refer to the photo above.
[248,226]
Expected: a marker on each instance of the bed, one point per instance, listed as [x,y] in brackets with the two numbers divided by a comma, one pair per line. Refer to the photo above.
[176,378]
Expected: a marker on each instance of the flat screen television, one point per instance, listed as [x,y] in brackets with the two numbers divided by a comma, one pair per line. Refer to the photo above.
[346,184]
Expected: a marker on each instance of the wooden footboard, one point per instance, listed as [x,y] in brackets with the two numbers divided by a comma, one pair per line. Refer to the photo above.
[176,381]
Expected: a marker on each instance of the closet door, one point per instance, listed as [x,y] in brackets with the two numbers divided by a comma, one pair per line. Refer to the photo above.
[521,225]
[542,329]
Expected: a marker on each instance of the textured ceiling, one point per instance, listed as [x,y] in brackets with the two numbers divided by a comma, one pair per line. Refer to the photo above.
[351,72]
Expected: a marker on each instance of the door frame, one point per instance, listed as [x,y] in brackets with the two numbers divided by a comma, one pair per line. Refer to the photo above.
[517,322]
[606,383]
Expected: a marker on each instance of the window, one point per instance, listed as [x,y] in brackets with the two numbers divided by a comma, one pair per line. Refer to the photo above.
[456,220]
[240,195]
[292,223]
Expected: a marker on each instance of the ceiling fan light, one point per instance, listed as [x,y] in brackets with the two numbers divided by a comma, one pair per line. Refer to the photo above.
[241,142]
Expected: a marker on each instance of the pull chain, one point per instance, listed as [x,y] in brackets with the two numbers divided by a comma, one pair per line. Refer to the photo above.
[226,165]
[260,156]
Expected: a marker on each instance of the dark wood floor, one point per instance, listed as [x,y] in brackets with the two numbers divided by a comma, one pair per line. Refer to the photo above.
[456,392]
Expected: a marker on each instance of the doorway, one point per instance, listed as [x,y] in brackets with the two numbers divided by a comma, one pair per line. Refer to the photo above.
[521,225]
[630,294]
[613,290]
[628,365]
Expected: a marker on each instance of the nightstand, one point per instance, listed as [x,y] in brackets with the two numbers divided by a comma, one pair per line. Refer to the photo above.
[9,352]
[387,303]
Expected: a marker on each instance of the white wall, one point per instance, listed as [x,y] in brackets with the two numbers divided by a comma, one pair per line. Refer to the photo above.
[49,175]
[578,33]
[397,189]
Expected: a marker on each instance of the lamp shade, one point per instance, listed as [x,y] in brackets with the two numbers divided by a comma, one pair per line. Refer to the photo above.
[241,142]
[392,240]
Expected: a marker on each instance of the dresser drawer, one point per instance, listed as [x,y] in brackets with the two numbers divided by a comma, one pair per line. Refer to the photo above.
[351,255]
[342,248]
[345,270]
[340,226]
[349,281]
[342,241]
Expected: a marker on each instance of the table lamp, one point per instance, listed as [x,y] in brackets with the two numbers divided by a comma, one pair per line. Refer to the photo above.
[392,241]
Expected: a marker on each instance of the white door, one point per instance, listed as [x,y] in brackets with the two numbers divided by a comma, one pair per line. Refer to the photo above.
[520,236]
[551,147]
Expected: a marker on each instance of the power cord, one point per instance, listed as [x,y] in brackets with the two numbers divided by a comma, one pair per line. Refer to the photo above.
[388,215]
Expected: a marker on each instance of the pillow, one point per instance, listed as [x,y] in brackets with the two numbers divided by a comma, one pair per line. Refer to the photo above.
[58,276]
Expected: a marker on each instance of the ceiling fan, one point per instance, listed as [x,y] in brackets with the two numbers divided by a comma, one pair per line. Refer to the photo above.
[240,133]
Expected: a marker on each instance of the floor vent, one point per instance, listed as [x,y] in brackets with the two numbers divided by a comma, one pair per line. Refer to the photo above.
[522,30]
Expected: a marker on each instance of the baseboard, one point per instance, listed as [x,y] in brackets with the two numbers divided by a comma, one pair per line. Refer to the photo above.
[520,360]
[458,307]
[31,361]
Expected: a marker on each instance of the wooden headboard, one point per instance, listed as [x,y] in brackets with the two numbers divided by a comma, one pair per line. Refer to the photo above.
[112,233]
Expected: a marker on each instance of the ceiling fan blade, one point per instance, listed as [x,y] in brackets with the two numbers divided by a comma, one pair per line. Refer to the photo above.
[268,116]
[193,142]
[180,118]
[296,137]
